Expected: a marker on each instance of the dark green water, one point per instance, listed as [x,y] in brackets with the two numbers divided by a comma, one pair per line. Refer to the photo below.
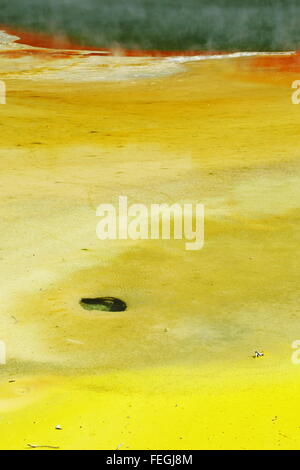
[163,24]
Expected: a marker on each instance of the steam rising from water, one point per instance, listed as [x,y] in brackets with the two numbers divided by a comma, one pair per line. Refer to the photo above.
[244,25]
[33,63]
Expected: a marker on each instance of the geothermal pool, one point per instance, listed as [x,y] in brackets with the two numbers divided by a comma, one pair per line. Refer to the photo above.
[81,128]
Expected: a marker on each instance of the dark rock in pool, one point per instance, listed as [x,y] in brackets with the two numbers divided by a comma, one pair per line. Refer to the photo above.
[104,304]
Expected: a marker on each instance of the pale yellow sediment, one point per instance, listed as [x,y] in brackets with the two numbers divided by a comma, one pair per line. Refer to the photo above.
[175,370]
